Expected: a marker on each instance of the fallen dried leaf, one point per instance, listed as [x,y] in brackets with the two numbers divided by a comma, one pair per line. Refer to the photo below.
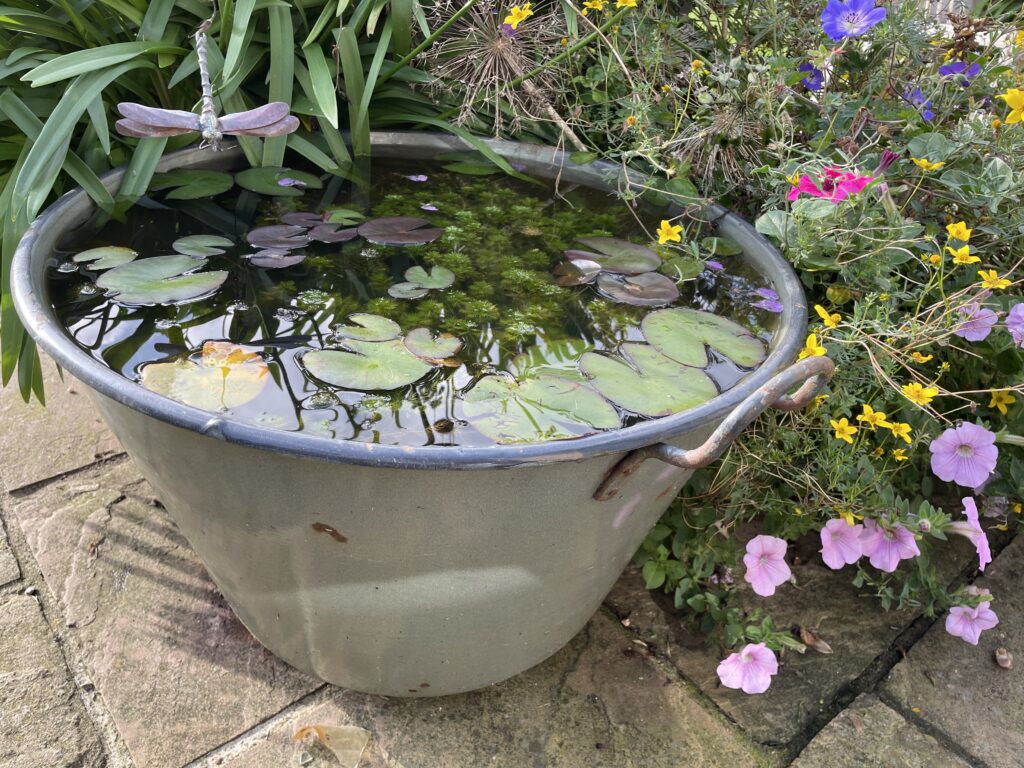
[812,639]
[346,742]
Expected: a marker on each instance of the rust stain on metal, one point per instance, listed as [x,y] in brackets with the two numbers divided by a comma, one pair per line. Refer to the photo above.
[334,533]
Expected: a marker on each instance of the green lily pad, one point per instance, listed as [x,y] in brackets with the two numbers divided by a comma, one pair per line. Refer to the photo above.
[559,356]
[653,385]
[682,333]
[407,291]
[615,255]
[438,278]
[160,280]
[106,257]
[548,407]
[681,267]
[424,344]
[192,184]
[345,216]
[370,366]
[201,245]
[369,328]
[276,181]
[226,376]
[720,246]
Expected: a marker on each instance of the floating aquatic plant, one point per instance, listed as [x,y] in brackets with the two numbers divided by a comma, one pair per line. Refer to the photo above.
[615,255]
[399,230]
[160,280]
[419,282]
[267,181]
[681,334]
[192,184]
[434,348]
[368,327]
[201,245]
[105,257]
[226,376]
[650,289]
[366,365]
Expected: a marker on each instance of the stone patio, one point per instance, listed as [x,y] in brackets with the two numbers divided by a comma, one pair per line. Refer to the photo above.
[116,650]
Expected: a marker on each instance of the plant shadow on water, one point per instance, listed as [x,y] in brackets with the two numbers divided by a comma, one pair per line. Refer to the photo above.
[476,317]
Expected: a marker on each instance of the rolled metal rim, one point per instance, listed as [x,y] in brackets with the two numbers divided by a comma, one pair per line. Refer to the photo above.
[31,298]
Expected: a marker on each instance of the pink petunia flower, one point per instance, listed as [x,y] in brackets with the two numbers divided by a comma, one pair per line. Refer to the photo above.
[886,546]
[968,623]
[766,564]
[977,323]
[972,530]
[965,455]
[840,543]
[834,185]
[750,670]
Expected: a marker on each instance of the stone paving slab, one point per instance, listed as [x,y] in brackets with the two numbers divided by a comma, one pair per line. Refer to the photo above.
[601,702]
[958,690]
[9,570]
[176,670]
[868,734]
[43,724]
[854,624]
[38,442]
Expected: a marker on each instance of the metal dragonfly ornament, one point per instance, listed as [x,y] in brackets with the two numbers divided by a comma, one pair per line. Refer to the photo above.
[142,121]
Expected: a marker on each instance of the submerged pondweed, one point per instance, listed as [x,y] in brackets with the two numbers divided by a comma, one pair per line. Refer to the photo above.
[426,306]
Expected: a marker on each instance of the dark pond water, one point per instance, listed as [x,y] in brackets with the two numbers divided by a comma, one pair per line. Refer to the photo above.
[501,240]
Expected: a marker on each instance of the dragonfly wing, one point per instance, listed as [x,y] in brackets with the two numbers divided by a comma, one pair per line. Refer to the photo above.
[142,130]
[253,118]
[159,118]
[280,128]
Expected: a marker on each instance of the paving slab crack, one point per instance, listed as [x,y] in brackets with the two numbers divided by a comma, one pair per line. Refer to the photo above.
[101,461]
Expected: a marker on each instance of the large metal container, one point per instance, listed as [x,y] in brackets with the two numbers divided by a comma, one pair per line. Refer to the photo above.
[413,571]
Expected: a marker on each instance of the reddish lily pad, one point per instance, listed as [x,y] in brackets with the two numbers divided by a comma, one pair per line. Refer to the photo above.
[332,233]
[225,377]
[616,255]
[399,230]
[651,289]
[105,257]
[647,382]
[369,328]
[681,334]
[278,236]
[369,366]
[302,219]
[433,348]
[548,407]
[273,258]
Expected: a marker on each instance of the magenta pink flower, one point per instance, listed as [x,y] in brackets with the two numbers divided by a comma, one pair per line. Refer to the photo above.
[840,543]
[886,546]
[972,530]
[750,670]
[965,455]
[834,185]
[766,564]
[966,622]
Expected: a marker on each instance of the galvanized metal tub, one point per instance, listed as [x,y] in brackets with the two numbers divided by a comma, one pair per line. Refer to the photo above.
[414,571]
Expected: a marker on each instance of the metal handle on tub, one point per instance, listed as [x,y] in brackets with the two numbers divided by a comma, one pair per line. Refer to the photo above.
[814,372]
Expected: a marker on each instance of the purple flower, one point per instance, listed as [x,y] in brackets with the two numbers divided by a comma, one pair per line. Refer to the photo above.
[417,177]
[968,623]
[966,72]
[920,103]
[288,182]
[767,293]
[766,564]
[718,266]
[965,455]
[769,305]
[428,207]
[977,323]
[509,30]
[815,80]
[750,670]
[1015,324]
[840,543]
[851,18]
[888,158]
[885,547]
[972,530]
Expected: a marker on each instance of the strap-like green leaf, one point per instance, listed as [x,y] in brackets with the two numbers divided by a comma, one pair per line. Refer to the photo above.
[321,81]
[92,59]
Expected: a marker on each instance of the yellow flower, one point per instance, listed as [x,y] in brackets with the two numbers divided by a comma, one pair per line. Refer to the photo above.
[1014,98]
[915,393]
[873,418]
[696,66]
[830,321]
[518,14]
[878,453]
[851,518]
[927,165]
[811,347]
[1001,399]
[563,41]
[900,430]
[666,88]
[593,5]
[625,3]
[944,367]
[818,400]
[959,231]
[668,231]
[631,121]
[919,358]
[935,259]
[844,429]
[883,297]
[1017,508]
[794,180]
[1018,39]
[996,123]
[991,279]
[900,454]
[962,255]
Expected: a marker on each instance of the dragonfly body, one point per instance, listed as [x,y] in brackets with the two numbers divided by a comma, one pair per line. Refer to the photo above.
[268,120]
